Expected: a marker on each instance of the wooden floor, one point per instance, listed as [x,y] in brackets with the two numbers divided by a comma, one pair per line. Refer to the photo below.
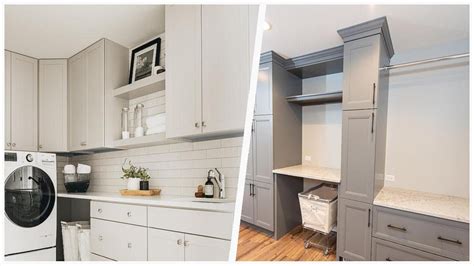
[257,246]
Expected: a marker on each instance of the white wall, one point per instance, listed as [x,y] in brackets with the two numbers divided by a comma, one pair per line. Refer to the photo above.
[428,123]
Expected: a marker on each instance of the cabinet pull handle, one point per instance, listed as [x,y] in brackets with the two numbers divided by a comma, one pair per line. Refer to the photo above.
[397,228]
[373,95]
[186,243]
[450,240]
[100,238]
[99,210]
[129,245]
[40,146]
[388,259]
[196,125]
[9,144]
[13,144]
[368,219]
[83,143]
[179,242]
[250,190]
[203,124]
[372,127]
[129,214]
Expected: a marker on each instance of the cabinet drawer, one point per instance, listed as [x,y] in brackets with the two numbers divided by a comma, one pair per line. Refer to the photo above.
[214,224]
[435,235]
[117,241]
[131,214]
[389,251]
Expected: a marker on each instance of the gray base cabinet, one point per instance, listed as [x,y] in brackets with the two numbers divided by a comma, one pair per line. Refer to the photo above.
[388,251]
[263,205]
[354,220]
[248,203]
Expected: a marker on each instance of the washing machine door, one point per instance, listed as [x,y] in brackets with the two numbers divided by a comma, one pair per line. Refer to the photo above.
[29,196]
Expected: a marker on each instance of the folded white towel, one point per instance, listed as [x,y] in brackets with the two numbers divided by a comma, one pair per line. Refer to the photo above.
[156,120]
[155,130]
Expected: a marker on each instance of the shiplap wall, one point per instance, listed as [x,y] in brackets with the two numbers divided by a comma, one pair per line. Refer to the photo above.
[60,162]
[175,168]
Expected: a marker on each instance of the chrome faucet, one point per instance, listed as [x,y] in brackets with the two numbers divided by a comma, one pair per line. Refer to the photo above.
[220,183]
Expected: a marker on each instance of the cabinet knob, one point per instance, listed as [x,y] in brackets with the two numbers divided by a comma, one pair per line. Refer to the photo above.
[186,243]
[13,144]
[203,123]
[83,143]
[99,210]
[196,125]
[100,238]
[129,214]
[9,144]
[40,146]
[129,245]
[179,242]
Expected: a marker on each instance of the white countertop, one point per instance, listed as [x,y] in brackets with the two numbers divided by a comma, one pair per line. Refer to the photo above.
[436,205]
[160,201]
[311,172]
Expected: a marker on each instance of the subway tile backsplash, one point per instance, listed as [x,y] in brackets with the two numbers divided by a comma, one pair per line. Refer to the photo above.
[175,168]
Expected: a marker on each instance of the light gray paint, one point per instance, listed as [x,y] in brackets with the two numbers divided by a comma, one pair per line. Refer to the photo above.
[247,214]
[287,208]
[263,205]
[263,148]
[354,229]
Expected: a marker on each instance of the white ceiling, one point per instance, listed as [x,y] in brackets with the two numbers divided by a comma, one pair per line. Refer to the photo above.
[60,31]
[298,30]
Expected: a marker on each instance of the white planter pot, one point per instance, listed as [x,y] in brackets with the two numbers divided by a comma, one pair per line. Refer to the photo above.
[133,184]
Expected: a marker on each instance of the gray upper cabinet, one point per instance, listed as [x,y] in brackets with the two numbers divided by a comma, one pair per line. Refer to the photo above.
[22,102]
[263,98]
[361,63]
[355,220]
[263,205]
[358,155]
[94,114]
[263,148]
[52,105]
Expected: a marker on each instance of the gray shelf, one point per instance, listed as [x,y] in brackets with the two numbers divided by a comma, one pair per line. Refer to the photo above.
[316,99]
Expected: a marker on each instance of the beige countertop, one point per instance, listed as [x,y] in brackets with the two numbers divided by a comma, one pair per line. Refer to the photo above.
[159,201]
[311,172]
[436,205]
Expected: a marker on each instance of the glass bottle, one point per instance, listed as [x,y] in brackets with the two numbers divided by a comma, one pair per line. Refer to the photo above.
[125,132]
[139,120]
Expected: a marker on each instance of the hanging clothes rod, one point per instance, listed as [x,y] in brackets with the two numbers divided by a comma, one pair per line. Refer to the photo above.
[426,61]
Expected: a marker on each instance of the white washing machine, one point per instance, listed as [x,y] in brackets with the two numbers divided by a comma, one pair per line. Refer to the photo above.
[30,206]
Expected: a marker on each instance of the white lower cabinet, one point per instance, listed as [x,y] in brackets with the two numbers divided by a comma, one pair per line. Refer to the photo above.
[200,248]
[118,241]
[165,245]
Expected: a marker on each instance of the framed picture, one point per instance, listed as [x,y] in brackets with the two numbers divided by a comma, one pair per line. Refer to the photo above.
[144,59]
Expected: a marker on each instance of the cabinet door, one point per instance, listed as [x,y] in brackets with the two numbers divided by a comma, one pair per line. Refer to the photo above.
[183,75]
[225,67]
[248,203]
[361,68]
[263,149]
[354,230]
[95,105]
[263,98]
[263,205]
[200,248]
[77,93]
[52,105]
[358,155]
[251,158]
[24,103]
[165,245]
[8,57]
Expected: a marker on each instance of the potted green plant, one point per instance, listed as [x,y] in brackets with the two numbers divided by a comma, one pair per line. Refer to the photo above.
[142,173]
[131,174]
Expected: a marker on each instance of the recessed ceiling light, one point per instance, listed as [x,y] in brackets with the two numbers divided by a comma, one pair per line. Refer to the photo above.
[267,26]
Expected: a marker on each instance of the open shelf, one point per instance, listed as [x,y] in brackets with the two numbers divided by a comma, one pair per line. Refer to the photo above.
[141,87]
[145,141]
[317,98]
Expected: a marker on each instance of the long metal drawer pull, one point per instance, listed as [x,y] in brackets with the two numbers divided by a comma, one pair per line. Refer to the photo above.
[372,127]
[368,220]
[397,228]
[450,240]
[373,95]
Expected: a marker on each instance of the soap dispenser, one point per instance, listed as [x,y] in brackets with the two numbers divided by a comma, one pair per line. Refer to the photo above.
[209,186]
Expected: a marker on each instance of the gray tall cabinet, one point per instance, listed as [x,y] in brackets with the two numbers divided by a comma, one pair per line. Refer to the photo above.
[367,47]
[276,139]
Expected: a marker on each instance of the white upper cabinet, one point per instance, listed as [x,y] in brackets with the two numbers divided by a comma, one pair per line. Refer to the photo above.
[94,114]
[21,86]
[183,70]
[225,67]
[52,109]
[208,69]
